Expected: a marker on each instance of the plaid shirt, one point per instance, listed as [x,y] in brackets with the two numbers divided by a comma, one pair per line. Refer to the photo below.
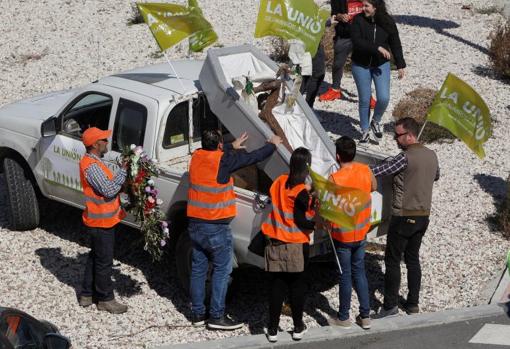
[394,165]
[391,166]
[98,180]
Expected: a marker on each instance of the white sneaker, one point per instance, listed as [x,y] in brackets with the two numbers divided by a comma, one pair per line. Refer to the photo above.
[299,332]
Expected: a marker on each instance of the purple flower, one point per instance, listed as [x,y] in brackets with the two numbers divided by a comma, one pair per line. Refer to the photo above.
[155,192]
[148,189]
[162,243]
[164,224]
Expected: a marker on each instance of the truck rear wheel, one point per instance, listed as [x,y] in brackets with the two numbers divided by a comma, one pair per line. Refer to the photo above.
[22,200]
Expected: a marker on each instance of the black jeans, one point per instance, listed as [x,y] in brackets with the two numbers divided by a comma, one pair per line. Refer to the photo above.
[404,237]
[97,280]
[295,283]
[312,83]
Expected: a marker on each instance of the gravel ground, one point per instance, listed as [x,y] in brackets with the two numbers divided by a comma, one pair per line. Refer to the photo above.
[69,43]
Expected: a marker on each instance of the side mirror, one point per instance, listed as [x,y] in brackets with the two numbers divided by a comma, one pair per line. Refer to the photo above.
[48,127]
[56,341]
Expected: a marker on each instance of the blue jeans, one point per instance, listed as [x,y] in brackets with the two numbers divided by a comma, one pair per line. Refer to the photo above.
[363,78]
[352,261]
[211,243]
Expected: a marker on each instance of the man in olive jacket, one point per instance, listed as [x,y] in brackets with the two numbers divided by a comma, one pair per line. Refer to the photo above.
[415,169]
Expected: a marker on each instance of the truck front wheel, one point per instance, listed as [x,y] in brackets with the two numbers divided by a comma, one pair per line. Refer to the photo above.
[22,200]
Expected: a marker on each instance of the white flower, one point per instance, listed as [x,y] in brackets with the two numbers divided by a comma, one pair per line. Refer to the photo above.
[132,147]
[150,182]
[138,151]
[159,201]
[166,231]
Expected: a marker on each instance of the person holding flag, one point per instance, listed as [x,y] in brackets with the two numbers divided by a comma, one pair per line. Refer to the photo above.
[415,169]
[288,229]
[350,241]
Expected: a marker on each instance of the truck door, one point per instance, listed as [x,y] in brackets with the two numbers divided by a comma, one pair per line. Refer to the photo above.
[61,154]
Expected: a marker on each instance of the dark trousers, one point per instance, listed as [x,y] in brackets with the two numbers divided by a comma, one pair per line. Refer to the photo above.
[312,83]
[342,49]
[97,280]
[404,237]
[295,285]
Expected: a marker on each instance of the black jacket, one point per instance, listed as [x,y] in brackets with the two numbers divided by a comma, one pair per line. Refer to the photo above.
[367,36]
[342,30]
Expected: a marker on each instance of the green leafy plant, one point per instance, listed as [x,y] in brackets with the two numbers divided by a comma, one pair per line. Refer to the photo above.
[504,212]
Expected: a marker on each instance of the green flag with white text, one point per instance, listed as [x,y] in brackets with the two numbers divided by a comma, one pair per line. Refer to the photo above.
[460,109]
[340,205]
[172,23]
[292,19]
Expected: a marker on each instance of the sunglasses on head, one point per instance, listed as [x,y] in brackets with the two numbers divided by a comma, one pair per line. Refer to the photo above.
[395,137]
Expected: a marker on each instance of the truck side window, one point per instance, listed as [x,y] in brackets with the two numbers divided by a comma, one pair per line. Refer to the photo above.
[89,110]
[129,126]
[177,128]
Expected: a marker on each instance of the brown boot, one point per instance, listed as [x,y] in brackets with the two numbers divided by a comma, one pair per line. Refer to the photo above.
[112,306]
[85,301]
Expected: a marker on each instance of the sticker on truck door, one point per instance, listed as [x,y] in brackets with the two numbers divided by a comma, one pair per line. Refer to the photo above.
[60,162]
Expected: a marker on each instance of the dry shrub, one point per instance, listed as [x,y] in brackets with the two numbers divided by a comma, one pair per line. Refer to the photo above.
[329,46]
[499,50]
[504,214]
[135,17]
[280,51]
[415,104]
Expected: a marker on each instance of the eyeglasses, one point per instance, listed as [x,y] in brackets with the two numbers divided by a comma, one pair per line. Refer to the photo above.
[395,137]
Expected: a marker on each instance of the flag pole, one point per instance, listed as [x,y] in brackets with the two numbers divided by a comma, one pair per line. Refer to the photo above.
[334,250]
[175,72]
[421,130]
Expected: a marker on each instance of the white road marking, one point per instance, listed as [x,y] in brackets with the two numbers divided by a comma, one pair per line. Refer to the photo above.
[492,334]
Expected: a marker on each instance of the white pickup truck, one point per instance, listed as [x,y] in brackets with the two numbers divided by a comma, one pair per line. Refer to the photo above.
[40,142]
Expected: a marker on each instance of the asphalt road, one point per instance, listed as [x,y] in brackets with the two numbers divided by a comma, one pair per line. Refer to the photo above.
[454,336]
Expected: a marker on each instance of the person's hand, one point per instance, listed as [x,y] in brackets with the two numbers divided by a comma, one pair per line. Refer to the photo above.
[238,143]
[386,54]
[401,73]
[275,140]
[124,164]
[333,20]
[343,17]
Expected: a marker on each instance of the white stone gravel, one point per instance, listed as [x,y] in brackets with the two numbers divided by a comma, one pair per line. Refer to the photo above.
[53,44]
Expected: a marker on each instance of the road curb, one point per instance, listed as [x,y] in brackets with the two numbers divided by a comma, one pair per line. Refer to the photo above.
[326,333]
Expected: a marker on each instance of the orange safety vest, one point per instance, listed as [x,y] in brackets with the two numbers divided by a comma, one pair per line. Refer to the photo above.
[99,212]
[354,176]
[208,199]
[280,223]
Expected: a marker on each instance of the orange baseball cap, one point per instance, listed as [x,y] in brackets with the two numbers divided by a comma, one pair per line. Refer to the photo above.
[93,134]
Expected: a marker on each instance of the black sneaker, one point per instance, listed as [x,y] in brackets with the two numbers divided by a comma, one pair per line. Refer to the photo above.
[365,137]
[411,308]
[299,332]
[224,323]
[376,128]
[272,335]
[198,320]
[386,312]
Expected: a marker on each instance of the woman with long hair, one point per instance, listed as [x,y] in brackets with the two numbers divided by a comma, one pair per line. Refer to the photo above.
[375,40]
[287,229]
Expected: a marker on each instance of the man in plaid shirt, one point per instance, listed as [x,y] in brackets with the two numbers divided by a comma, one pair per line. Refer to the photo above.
[415,170]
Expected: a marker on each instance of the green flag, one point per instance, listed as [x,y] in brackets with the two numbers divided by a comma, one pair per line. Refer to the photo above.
[172,23]
[340,205]
[292,19]
[458,108]
[508,262]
